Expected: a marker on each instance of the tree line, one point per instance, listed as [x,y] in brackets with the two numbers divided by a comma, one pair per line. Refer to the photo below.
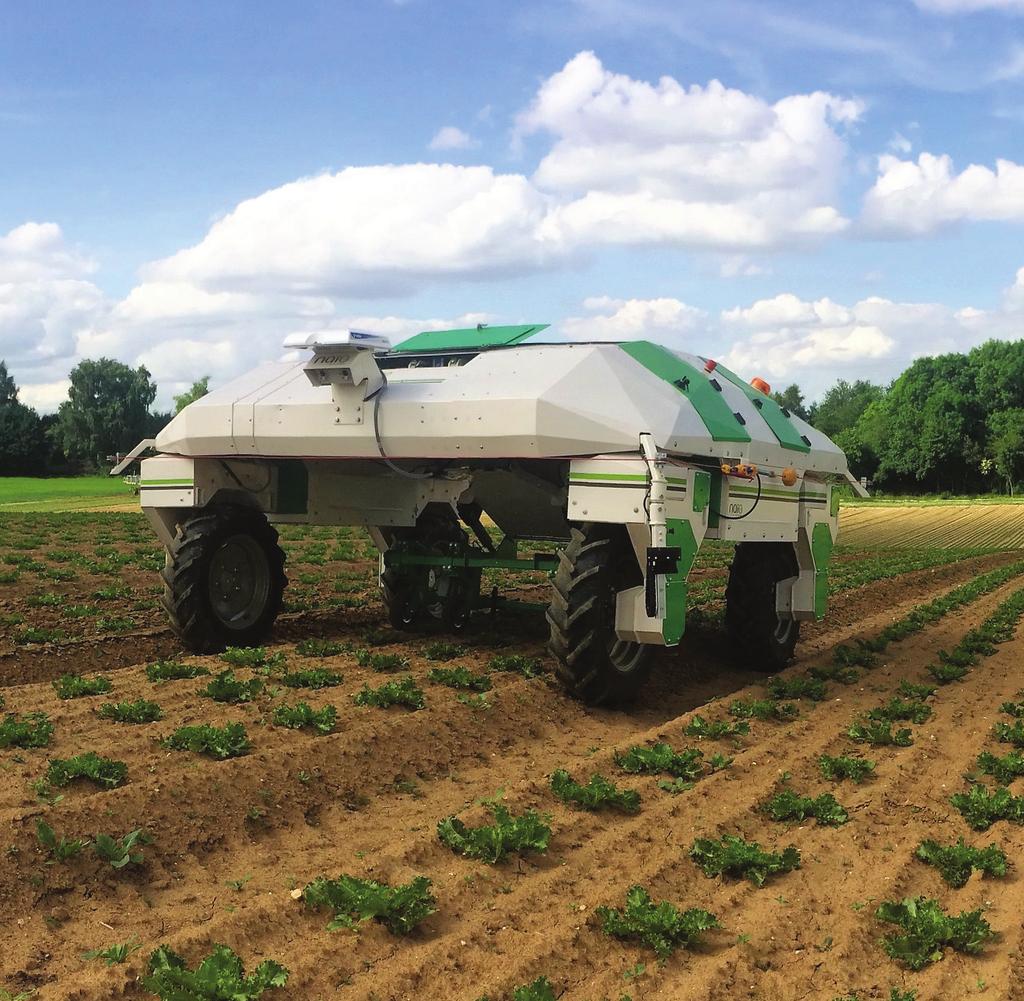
[109,409]
[950,423]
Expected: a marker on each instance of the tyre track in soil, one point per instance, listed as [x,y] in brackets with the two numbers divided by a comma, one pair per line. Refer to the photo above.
[415,854]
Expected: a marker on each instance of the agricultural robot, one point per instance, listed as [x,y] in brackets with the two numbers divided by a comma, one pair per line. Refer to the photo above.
[457,446]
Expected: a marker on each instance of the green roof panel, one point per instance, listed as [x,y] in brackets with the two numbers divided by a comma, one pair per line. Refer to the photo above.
[470,338]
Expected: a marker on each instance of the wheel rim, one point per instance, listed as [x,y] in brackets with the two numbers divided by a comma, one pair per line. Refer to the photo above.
[239,582]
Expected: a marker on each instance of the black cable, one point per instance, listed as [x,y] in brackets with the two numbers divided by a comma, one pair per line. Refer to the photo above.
[740,517]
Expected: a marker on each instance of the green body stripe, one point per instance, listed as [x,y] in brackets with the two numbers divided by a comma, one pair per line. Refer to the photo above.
[679,533]
[691,383]
[637,477]
[782,427]
[167,483]
[821,550]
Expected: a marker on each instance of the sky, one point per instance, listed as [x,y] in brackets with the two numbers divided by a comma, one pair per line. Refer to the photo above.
[805,190]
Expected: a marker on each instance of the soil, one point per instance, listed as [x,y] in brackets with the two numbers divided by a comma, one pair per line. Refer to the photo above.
[365,800]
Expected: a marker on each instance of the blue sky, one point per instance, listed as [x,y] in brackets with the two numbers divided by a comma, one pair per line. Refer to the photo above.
[184,184]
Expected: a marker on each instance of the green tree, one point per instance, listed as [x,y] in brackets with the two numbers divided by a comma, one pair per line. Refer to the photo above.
[840,408]
[1006,445]
[107,410]
[22,443]
[198,389]
[792,399]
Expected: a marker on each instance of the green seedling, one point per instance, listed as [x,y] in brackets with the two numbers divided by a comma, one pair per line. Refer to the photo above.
[1010,733]
[661,927]
[122,852]
[732,856]
[229,741]
[115,954]
[879,733]
[982,807]
[219,977]
[843,767]
[92,766]
[320,648]
[314,679]
[302,715]
[440,650]
[140,711]
[72,686]
[909,690]
[925,930]
[798,687]
[946,674]
[59,849]
[901,710]
[225,687]
[395,693]
[459,677]
[522,835]
[383,663]
[1005,769]
[717,729]
[835,672]
[788,805]
[598,794]
[172,670]
[528,667]
[956,862]
[1014,709]
[255,657]
[764,710]
[354,901]
[30,730]
[662,759]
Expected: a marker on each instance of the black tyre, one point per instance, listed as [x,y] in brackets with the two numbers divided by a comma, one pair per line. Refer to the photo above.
[223,579]
[401,600]
[592,663]
[761,639]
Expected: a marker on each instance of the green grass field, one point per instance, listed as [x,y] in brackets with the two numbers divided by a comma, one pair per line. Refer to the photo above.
[62,493]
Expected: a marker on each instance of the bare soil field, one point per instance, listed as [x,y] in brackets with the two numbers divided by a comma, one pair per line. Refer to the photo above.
[234,842]
[939,525]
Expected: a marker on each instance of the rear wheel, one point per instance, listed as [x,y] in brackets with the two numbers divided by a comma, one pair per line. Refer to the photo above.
[592,663]
[223,579]
[762,640]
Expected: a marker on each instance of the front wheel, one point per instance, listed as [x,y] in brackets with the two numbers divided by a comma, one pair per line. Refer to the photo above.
[762,640]
[224,579]
[592,663]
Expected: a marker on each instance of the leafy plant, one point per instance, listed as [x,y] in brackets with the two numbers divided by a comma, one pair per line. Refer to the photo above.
[704,729]
[798,687]
[30,730]
[528,667]
[459,677]
[879,733]
[113,954]
[440,650]
[314,679]
[354,901]
[844,767]
[1005,769]
[225,687]
[73,686]
[381,662]
[172,670]
[982,807]
[788,805]
[1015,709]
[661,927]
[122,852]
[1010,733]
[661,758]
[319,648]
[255,657]
[490,843]
[835,672]
[103,771]
[763,709]
[945,674]
[733,856]
[598,794]
[897,710]
[219,977]
[301,714]
[909,690]
[956,862]
[394,693]
[228,741]
[140,711]
[926,929]
[59,849]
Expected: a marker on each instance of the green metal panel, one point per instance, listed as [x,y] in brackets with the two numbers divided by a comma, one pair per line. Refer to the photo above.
[701,491]
[782,427]
[821,550]
[679,533]
[469,338]
[292,487]
[693,384]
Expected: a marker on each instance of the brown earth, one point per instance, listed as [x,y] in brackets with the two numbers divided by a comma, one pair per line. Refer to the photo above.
[366,799]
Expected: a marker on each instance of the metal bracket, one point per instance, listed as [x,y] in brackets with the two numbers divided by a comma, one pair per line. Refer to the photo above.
[661,561]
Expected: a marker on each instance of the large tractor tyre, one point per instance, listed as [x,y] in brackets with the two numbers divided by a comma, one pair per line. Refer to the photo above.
[224,579]
[401,601]
[761,639]
[592,663]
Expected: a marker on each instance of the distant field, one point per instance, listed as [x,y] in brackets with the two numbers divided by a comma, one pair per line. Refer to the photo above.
[971,525]
[62,493]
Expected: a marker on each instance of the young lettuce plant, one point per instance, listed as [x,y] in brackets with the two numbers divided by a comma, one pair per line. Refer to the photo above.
[732,856]
[30,730]
[140,711]
[661,927]
[122,852]
[844,767]
[73,686]
[704,729]
[598,794]
[229,741]
[522,835]
[395,693]
[925,930]
[661,758]
[59,849]
[982,807]
[321,721]
[354,901]
[220,976]
[788,805]
[956,862]
[459,677]
[104,772]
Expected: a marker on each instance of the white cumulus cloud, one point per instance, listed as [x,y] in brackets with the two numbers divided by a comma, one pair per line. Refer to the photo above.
[452,137]
[609,319]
